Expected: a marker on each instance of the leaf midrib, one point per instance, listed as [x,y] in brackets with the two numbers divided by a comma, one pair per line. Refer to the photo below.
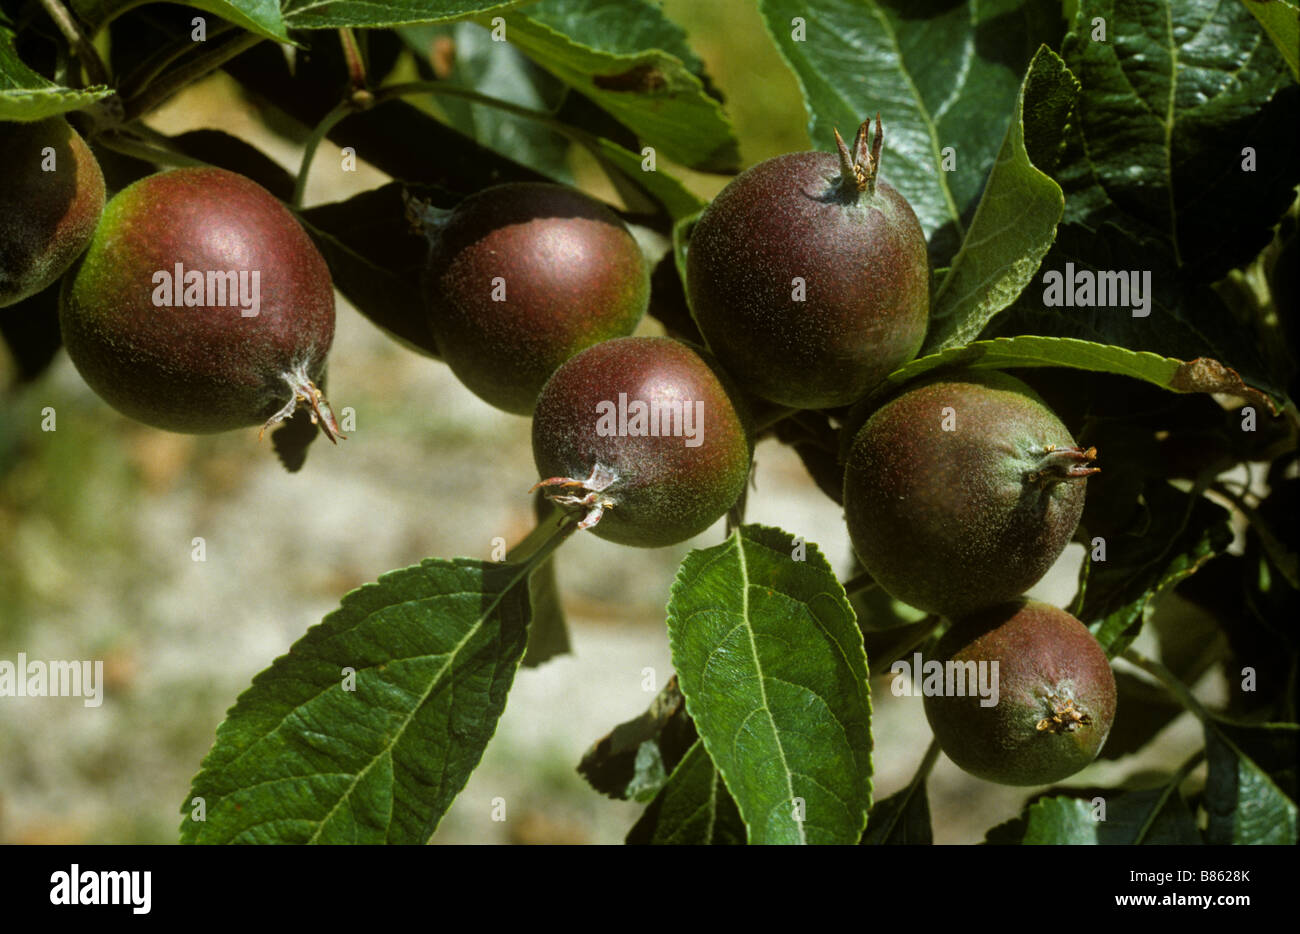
[762,685]
[410,717]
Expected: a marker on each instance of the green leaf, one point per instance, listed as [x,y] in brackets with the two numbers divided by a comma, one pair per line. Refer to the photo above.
[591,45]
[941,76]
[660,186]
[1031,350]
[397,137]
[1059,820]
[499,70]
[328,14]
[261,17]
[901,819]
[301,759]
[692,808]
[1153,817]
[634,760]
[1251,785]
[1172,96]
[1281,20]
[620,27]
[770,659]
[1156,816]
[1168,543]
[681,241]
[26,96]
[1015,223]
[1185,320]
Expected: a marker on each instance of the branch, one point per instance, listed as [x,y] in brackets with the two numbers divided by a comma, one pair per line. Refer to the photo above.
[86,53]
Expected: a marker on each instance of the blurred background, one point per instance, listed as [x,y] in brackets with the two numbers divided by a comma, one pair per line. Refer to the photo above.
[98,519]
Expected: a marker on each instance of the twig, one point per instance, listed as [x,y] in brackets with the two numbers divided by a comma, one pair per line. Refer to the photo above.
[86,53]
[313,142]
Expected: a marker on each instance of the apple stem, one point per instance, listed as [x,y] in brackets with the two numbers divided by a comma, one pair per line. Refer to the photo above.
[304,390]
[1064,463]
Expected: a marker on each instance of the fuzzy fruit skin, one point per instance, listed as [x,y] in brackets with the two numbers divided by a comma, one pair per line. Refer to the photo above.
[48,217]
[665,492]
[863,260]
[950,521]
[1046,659]
[573,274]
[196,369]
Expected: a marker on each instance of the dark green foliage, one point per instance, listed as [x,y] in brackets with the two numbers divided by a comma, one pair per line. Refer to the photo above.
[963,491]
[200,367]
[521,277]
[809,288]
[1055,697]
[50,202]
[640,489]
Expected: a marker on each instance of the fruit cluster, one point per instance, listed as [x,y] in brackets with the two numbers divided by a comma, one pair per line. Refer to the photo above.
[960,493]
[195,302]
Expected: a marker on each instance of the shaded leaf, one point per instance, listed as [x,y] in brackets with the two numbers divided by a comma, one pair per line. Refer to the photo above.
[230,152]
[635,759]
[1171,97]
[397,138]
[692,808]
[1251,786]
[902,819]
[548,633]
[1183,319]
[1175,535]
[376,257]
[257,16]
[1143,710]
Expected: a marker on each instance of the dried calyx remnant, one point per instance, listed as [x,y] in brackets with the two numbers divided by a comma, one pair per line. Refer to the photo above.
[592,490]
[1065,717]
[1064,463]
[306,392]
[858,167]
